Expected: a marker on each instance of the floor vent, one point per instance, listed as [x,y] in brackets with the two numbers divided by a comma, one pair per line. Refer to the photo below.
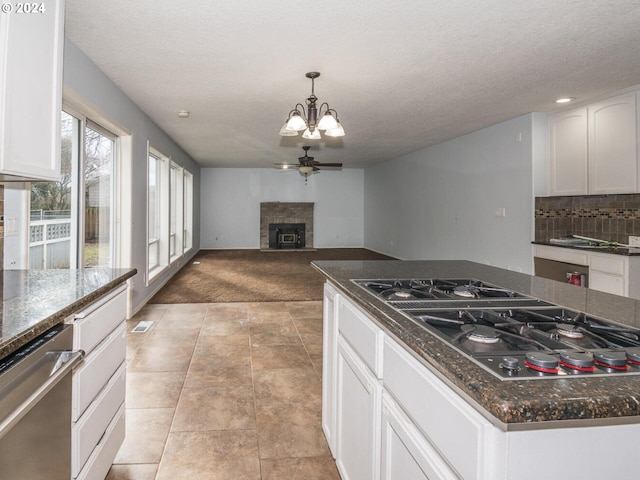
[142,326]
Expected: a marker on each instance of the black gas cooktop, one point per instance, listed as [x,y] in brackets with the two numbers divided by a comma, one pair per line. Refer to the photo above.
[512,335]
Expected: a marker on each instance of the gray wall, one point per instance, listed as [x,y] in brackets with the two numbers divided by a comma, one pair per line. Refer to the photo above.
[84,78]
[231,200]
[441,202]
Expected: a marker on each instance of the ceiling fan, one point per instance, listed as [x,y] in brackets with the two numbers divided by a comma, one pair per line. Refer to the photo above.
[306,164]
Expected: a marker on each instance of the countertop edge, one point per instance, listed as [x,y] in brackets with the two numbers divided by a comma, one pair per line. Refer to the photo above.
[24,337]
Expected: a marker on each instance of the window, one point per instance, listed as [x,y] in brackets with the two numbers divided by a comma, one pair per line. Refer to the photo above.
[169,223]
[157,203]
[176,212]
[71,221]
[187,237]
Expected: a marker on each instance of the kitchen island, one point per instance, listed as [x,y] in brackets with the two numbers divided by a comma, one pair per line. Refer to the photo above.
[499,429]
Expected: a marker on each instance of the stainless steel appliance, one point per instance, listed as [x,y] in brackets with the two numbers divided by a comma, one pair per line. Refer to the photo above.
[511,335]
[35,408]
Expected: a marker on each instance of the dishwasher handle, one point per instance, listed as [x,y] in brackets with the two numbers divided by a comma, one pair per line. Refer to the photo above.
[64,363]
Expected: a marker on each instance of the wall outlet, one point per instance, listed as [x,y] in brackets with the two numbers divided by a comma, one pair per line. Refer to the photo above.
[634,241]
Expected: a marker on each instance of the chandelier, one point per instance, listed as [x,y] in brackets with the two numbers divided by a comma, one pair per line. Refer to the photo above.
[300,119]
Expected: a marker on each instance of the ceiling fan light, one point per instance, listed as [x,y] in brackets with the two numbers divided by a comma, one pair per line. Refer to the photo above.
[338,131]
[327,122]
[296,123]
[309,135]
[305,169]
[287,133]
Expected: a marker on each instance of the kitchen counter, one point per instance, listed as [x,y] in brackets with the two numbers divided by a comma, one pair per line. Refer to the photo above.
[36,300]
[628,252]
[510,404]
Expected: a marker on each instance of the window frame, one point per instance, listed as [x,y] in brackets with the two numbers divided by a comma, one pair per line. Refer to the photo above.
[160,238]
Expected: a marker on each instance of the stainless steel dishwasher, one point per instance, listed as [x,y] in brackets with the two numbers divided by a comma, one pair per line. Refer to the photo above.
[35,408]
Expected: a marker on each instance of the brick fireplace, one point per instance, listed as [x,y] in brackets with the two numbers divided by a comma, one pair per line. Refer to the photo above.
[277,214]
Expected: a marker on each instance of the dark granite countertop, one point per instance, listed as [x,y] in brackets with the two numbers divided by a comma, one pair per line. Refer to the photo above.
[36,300]
[513,403]
[628,252]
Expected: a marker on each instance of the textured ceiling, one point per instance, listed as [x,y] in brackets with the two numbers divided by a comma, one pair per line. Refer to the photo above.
[402,74]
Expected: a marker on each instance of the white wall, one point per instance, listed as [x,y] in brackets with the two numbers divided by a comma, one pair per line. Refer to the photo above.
[441,202]
[231,197]
[103,96]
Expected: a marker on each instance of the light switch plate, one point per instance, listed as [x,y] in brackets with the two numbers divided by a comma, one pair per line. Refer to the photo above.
[634,241]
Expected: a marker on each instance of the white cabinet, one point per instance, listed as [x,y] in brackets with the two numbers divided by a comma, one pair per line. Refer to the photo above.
[613,160]
[329,349]
[98,385]
[357,417]
[610,273]
[568,141]
[593,149]
[31,89]
[405,452]
[358,393]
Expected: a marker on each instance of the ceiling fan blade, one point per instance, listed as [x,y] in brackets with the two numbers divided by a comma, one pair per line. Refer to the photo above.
[338,165]
[315,169]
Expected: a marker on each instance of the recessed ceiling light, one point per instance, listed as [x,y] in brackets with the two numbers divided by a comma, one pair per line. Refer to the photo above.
[183,114]
[565,99]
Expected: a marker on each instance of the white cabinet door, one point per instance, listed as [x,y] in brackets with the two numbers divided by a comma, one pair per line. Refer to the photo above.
[31,89]
[329,348]
[605,282]
[613,143]
[358,417]
[568,140]
[406,453]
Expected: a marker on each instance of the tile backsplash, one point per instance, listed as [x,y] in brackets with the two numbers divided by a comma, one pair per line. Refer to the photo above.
[607,217]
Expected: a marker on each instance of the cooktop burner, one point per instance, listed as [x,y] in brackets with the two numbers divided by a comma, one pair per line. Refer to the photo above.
[535,342]
[435,289]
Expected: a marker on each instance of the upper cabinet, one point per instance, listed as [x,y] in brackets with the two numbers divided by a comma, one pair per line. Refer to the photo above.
[594,148]
[568,140]
[613,157]
[31,42]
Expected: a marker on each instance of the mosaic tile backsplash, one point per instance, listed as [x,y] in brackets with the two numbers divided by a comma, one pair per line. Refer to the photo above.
[608,217]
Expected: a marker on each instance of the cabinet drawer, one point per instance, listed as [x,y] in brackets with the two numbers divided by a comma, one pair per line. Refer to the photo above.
[447,421]
[559,254]
[88,431]
[608,264]
[105,452]
[360,332]
[96,370]
[95,322]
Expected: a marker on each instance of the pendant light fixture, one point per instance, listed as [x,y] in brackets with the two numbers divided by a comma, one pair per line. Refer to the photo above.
[301,119]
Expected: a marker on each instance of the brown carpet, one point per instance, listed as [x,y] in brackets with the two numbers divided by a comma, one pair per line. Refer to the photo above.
[254,276]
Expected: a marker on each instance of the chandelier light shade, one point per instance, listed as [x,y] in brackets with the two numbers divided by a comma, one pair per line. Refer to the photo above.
[302,119]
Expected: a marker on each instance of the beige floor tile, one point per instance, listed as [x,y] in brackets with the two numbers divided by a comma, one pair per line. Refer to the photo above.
[180,337]
[147,430]
[279,356]
[290,430]
[308,325]
[282,334]
[224,326]
[219,455]
[305,309]
[133,472]
[223,345]
[287,385]
[161,359]
[154,389]
[316,361]
[179,320]
[227,311]
[313,468]
[215,408]
[312,343]
[222,376]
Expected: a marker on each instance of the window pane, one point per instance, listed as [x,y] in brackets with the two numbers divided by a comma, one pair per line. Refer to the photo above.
[53,204]
[98,171]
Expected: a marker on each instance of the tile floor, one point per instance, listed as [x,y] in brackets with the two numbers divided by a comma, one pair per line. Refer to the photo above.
[225,391]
